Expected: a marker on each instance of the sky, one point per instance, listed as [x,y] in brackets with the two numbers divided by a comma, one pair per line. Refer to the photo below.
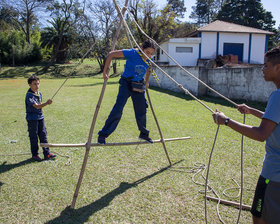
[272,6]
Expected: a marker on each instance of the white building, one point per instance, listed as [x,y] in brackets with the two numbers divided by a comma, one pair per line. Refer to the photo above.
[217,38]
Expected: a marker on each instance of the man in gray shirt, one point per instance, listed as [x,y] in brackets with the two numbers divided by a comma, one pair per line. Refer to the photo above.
[266,203]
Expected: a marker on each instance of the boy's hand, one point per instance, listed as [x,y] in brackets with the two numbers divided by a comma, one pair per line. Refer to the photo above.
[147,85]
[49,101]
[243,109]
[105,74]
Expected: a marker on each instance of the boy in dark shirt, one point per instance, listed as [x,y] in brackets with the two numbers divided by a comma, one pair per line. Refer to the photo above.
[35,119]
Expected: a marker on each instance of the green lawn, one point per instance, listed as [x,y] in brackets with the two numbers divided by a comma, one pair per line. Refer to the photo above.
[125,184]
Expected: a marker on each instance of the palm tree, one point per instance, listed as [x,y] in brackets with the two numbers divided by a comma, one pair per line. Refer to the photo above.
[50,38]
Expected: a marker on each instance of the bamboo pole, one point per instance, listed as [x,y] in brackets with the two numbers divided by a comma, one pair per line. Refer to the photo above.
[159,130]
[113,143]
[88,144]
[232,203]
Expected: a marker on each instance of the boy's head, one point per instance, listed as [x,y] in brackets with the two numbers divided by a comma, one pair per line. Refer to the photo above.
[149,48]
[273,56]
[34,83]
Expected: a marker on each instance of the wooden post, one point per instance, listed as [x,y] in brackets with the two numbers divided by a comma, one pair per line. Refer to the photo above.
[159,130]
[88,144]
[112,143]
[232,203]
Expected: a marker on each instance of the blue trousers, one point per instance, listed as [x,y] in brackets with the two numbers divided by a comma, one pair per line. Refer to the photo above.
[140,105]
[36,128]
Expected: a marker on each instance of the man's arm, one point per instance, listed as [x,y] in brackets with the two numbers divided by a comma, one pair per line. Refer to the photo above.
[244,109]
[111,55]
[260,133]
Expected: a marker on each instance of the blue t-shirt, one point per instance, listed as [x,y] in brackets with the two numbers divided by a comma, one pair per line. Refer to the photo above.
[271,163]
[135,67]
[31,112]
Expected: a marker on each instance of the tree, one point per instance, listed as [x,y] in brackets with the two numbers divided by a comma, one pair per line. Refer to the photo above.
[24,13]
[206,10]
[105,16]
[248,13]
[158,24]
[51,39]
[66,15]
[178,6]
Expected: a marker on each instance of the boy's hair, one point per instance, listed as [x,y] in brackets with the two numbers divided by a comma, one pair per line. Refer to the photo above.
[32,78]
[148,43]
[273,55]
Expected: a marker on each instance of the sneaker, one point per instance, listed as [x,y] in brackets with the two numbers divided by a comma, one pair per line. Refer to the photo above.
[37,158]
[49,156]
[145,137]
[101,140]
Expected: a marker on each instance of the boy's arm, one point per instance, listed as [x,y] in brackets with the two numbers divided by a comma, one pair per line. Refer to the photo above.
[244,109]
[111,55]
[148,74]
[40,106]
[260,133]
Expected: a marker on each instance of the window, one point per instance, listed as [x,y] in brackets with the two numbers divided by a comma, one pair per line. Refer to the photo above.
[184,49]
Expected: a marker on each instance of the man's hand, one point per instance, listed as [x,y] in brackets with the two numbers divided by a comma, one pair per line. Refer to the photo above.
[244,109]
[49,101]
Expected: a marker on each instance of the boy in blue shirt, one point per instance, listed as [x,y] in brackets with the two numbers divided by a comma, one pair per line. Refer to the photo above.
[131,85]
[35,119]
[266,203]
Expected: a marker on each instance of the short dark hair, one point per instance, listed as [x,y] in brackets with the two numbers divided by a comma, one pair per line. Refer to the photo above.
[148,43]
[32,78]
[273,55]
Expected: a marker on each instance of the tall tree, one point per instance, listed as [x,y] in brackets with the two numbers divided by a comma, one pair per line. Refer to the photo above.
[178,6]
[158,24]
[205,11]
[67,13]
[248,13]
[104,15]
[24,13]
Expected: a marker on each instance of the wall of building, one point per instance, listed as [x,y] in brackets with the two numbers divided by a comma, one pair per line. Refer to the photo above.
[208,45]
[234,83]
[257,49]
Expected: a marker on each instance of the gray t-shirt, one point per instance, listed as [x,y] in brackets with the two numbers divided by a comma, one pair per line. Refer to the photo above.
[271,163]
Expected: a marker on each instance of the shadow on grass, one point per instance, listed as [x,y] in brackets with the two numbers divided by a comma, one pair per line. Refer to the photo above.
[82,214]
[4,168]
[212,99]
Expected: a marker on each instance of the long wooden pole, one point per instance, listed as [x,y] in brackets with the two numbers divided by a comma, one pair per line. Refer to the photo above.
[159,130]
[113,143]
[88,144]
[232,203]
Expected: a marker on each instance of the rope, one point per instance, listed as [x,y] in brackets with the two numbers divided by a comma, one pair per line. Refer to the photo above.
[186,71]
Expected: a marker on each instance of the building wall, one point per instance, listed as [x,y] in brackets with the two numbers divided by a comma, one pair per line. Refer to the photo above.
[184,58]
[257,49]
[234,83]
[163,57]
[208,45]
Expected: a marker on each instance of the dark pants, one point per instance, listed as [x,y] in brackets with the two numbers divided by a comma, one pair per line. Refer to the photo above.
[140,109]
[36,128]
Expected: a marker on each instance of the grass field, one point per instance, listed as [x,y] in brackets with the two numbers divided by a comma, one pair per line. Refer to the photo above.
[126,184]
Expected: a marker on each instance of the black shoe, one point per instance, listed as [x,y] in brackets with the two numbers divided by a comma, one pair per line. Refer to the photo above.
[101,140]
[145,137]
[37,158]
[49,156]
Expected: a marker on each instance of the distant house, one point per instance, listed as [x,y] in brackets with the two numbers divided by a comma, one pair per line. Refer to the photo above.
[217,38]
